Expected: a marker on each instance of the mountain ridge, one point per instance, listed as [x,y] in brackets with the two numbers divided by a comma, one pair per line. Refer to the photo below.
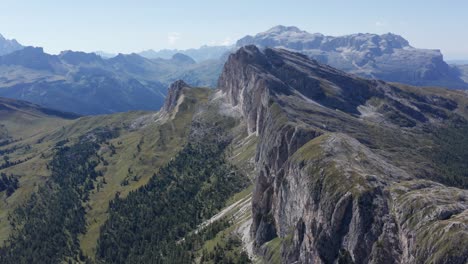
[368,55]
[326,189]
[87,84]
[8,45]
[7,104]
[203,53]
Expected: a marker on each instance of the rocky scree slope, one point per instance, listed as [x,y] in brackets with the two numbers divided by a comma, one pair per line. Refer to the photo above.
[388,57]
[345,172]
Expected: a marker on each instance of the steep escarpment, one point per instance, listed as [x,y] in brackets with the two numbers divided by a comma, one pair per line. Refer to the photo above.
[340,161]
[173,95]
[345,203]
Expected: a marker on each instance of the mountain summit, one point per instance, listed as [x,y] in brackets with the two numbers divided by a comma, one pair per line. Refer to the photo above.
[8,46]
[339,180]
[389,57]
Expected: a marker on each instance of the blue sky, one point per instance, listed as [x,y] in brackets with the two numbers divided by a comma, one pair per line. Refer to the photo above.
[128,26]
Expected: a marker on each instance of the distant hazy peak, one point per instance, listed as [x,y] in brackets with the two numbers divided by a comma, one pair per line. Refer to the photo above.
[8,46]
[104,55]
[32,50]
[132,58]
[281,29]
[29,50]
[180,57]
[294,34]
[77,57]
[201,54]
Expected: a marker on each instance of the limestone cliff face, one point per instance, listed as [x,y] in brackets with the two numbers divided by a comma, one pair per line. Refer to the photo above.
[173,95]
[244,86]
[326,196]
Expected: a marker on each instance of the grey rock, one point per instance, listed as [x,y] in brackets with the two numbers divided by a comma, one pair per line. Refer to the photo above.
[173,95]
[328,197]
[387,57]
[8,45]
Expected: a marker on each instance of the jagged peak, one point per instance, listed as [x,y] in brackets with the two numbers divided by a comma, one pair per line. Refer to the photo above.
[246,53]
[178,84]
[173,95]
[14,41]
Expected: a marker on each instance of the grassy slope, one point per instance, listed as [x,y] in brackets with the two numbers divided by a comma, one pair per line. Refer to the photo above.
[158,144]
[25,126]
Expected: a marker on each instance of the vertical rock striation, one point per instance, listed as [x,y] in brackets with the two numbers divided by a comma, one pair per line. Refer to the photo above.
[327,197]
[173,95]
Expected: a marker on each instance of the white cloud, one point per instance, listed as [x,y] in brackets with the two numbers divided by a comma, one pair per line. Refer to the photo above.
[227,41]
[379,24]
[173,37]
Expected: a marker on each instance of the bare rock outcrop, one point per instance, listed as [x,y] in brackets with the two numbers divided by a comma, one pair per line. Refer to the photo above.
[326,188]
[173,95]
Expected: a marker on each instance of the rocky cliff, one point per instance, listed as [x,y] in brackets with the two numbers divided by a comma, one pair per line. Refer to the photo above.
[173,95]
[340,175]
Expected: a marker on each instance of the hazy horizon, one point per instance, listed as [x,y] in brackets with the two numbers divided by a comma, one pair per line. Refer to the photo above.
[126,27]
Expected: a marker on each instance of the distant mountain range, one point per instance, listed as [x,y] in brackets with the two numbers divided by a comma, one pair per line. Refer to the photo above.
[8,46]
[388,57]
[87,84]
[101,83]
[201,54]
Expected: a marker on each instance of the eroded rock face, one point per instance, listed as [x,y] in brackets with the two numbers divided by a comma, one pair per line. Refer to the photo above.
[173,95]
[347,202]
[325,195]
